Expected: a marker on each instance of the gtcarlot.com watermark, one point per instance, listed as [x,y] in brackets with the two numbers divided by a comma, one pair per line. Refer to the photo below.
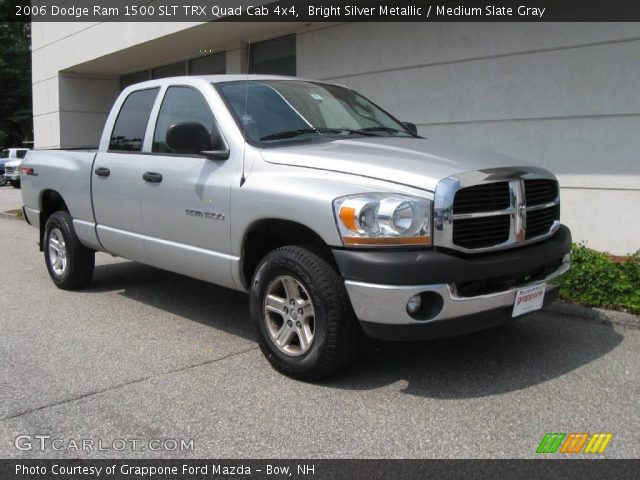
[43,443]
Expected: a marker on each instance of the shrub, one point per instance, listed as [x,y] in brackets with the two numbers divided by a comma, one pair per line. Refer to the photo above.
[597,280]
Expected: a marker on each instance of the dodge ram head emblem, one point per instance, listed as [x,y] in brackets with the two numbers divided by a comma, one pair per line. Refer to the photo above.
[522,210]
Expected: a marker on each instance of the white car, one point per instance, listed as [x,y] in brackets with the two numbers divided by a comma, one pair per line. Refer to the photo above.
[12,158]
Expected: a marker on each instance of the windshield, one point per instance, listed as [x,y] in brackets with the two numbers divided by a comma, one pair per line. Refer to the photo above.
[273,111]
[4,154]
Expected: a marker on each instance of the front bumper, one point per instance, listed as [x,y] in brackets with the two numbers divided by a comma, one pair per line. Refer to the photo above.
[12,176]
[469,292]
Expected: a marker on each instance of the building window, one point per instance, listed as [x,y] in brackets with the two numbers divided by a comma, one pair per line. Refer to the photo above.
[173,70]
[131,124]
[275,57]
[133,78]
[210,65]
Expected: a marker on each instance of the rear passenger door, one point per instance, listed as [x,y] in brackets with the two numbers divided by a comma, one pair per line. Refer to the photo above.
[117,178]
[185,200]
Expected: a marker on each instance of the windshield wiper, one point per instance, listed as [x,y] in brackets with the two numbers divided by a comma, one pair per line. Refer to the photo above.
[321,131]
[381,129]
[300,131]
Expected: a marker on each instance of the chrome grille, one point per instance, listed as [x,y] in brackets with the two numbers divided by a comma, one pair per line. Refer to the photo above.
[9,169]
[482,198]
[540,221]
[494,209]
[540,191]
[481,232]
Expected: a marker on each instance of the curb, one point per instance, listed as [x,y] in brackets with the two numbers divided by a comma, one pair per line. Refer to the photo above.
[595,315]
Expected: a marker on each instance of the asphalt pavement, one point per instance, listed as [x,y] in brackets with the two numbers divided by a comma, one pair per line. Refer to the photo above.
[10,198]
[144,354]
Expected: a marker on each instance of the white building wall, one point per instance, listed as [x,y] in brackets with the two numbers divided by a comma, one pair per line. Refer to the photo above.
[564,96]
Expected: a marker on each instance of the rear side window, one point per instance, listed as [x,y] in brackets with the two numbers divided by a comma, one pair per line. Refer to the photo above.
[128,132]
[21,153]
[180,105]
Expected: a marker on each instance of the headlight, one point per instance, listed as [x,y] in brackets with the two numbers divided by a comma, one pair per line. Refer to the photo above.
[383,219]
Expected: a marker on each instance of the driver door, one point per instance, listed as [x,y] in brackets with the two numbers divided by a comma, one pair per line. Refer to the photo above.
[185,197]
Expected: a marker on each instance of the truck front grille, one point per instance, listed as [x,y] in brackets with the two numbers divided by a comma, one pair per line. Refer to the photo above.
[481,232]
[9,169]
[539,222]
[500,210]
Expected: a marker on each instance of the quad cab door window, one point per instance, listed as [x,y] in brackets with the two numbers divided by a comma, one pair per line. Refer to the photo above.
[185,106]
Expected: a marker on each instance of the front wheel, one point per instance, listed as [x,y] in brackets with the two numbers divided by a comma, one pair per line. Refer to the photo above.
[301,311]
[15,183]
[70,264]
[3,181]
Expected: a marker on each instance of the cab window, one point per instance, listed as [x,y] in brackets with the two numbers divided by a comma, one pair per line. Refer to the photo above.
[182,105]
[131,124]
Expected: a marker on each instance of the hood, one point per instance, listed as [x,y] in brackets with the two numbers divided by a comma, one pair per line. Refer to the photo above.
[415,162]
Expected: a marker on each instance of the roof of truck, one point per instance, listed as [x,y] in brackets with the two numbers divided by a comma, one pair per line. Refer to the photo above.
[207,78]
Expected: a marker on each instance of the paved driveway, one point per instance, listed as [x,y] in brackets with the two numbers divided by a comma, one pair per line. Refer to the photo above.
[145,354]
[10,198]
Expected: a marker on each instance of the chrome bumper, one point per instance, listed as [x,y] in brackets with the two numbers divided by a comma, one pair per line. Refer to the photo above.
[386,304]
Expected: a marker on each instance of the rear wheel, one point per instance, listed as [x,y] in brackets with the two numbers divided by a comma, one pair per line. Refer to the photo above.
[301,311]
[70,264]
[3,180]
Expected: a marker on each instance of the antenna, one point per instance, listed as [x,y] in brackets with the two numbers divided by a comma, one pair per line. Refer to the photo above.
[244,116]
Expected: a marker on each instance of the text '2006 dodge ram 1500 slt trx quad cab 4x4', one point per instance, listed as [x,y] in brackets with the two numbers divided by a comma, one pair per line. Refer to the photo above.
[337,218]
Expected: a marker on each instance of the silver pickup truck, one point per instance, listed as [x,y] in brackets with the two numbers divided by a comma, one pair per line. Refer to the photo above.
[336,218]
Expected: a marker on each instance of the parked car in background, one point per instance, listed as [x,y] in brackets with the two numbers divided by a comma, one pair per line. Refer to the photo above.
[10,170]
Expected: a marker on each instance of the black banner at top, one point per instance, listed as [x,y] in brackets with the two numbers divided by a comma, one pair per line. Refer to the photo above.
[323,11]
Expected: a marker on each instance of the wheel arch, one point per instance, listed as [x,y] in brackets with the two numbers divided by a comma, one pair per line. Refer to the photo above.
[50,202]
[267,234]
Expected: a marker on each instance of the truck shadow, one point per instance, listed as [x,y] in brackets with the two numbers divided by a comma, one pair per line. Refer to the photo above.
[218,307]
[525,353]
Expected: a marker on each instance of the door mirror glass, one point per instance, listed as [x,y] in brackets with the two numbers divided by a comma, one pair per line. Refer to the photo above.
[192,137]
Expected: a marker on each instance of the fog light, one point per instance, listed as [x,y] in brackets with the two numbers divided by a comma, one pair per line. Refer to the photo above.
[414,305]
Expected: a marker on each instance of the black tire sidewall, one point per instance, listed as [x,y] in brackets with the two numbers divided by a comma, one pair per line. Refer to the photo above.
[80,259]
[271,268]
[55,221]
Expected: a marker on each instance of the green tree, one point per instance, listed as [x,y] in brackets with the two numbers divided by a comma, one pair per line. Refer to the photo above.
[16,115]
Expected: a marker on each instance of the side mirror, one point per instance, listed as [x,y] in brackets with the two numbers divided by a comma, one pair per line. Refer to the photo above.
[192,137]
[411,127]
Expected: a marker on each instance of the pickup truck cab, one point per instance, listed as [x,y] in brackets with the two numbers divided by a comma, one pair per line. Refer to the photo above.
[335,217]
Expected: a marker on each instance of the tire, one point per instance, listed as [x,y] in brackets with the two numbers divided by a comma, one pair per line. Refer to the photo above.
[70,264]
[15,183]
[3,181]
[326,313]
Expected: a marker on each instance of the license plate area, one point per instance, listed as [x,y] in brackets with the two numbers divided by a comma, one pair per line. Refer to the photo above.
[528,299]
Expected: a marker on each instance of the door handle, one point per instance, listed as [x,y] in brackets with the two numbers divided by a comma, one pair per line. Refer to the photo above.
[152,177]
[102,172]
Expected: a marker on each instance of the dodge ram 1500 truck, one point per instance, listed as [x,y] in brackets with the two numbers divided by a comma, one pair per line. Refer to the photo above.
[335,217]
